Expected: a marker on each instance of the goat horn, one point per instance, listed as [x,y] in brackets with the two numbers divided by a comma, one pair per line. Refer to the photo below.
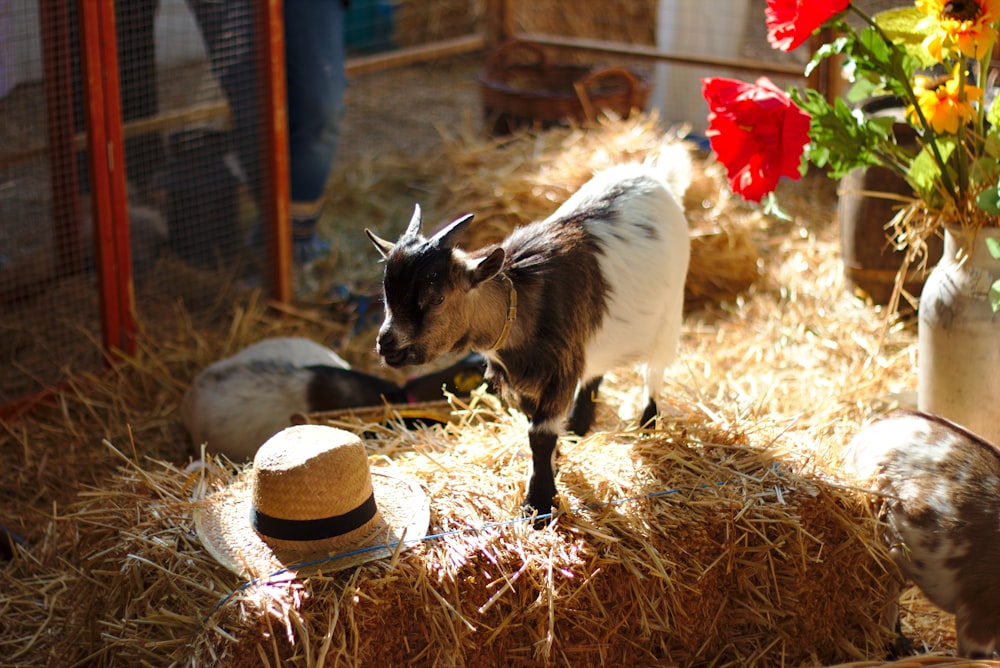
[445,238]
[413,229]
[384,247]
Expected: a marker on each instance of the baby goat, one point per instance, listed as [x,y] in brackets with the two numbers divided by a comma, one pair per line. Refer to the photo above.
[597,285]
[942,504]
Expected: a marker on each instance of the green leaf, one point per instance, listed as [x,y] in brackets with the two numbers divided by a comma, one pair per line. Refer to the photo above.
[843,138]
[993,115]
[993,246]
[871,56]
[995,296]
[826,50]
[989,201]
[876,48]
[863,89]
[991,147]
[903,26]
[925,173]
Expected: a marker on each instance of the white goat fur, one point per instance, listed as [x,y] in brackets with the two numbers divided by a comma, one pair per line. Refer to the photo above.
[645,278]
[237,403]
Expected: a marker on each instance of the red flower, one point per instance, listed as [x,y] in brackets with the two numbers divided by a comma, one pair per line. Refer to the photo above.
[757,132]
[790,22]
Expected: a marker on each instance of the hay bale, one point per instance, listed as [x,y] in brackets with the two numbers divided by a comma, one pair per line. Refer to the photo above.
[694,544]
[118,577]
[515,180]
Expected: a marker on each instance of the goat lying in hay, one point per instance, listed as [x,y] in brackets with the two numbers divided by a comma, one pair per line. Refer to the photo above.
[597,285]
[235,404]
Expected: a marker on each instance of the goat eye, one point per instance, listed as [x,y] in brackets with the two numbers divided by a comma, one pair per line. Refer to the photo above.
[430,299]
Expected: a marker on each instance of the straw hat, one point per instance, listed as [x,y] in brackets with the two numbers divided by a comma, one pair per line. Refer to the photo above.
[310,495]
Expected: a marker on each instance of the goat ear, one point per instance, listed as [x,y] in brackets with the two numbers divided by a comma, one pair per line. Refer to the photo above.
[446,237]
[413,229]
[488,267]
[381,245]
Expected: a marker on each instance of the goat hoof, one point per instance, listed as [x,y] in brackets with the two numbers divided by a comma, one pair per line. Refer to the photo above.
[648,420]
[901,645]
[529,510]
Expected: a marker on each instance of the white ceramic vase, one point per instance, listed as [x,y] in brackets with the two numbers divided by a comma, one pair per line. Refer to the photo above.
[958,336]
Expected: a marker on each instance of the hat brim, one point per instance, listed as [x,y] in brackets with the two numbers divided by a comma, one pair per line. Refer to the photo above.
[223,524]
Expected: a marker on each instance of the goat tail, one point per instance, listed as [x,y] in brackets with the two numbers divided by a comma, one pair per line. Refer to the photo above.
[673,161]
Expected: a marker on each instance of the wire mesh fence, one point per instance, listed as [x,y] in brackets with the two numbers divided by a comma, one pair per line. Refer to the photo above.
[190,97]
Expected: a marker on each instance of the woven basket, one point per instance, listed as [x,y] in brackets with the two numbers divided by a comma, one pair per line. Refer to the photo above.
[520,86]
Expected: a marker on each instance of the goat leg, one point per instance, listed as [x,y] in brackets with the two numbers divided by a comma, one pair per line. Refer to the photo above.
[649,415]
[582,415]
[541,479]
[901,645]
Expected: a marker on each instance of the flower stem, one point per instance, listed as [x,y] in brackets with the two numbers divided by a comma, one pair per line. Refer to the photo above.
[961,155]
[901,76]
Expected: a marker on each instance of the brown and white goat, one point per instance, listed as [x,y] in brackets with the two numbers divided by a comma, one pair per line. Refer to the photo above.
[597,285]
[941,489]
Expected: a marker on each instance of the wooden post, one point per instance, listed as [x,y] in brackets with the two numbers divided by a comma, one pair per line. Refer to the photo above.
[106,161]
[826,77]
[499,22]
[274,129]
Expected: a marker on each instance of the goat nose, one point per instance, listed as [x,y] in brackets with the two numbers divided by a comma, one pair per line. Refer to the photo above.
[386,340]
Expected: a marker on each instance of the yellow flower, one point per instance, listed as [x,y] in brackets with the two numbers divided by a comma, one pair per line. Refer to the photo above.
[944,104]
[965,25]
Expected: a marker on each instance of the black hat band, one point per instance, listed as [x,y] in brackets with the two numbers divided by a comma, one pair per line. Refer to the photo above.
[319,529]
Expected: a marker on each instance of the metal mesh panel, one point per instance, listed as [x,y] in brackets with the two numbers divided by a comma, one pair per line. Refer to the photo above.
[190,206]
[48,302]
[197,213]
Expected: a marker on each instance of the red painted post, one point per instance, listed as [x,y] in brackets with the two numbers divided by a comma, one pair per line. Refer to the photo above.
[277,179]
[112,253]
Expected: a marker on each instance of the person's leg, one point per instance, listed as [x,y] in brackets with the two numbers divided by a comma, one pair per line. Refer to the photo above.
[316,81]
[134,23]
[228,30]
[315,54]
[134,32]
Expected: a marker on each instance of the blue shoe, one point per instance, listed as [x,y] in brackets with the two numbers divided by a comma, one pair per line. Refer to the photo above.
[309,248]
[307,245]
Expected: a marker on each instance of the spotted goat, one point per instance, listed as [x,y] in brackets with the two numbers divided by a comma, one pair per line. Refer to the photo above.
[940,491]
[597,285]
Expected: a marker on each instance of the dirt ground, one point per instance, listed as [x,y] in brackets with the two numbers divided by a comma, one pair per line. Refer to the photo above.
[404,110]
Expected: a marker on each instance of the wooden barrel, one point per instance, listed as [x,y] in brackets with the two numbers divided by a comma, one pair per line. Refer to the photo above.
[871,262]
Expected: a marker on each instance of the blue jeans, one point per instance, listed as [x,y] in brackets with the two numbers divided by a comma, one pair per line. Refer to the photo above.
[316,81]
